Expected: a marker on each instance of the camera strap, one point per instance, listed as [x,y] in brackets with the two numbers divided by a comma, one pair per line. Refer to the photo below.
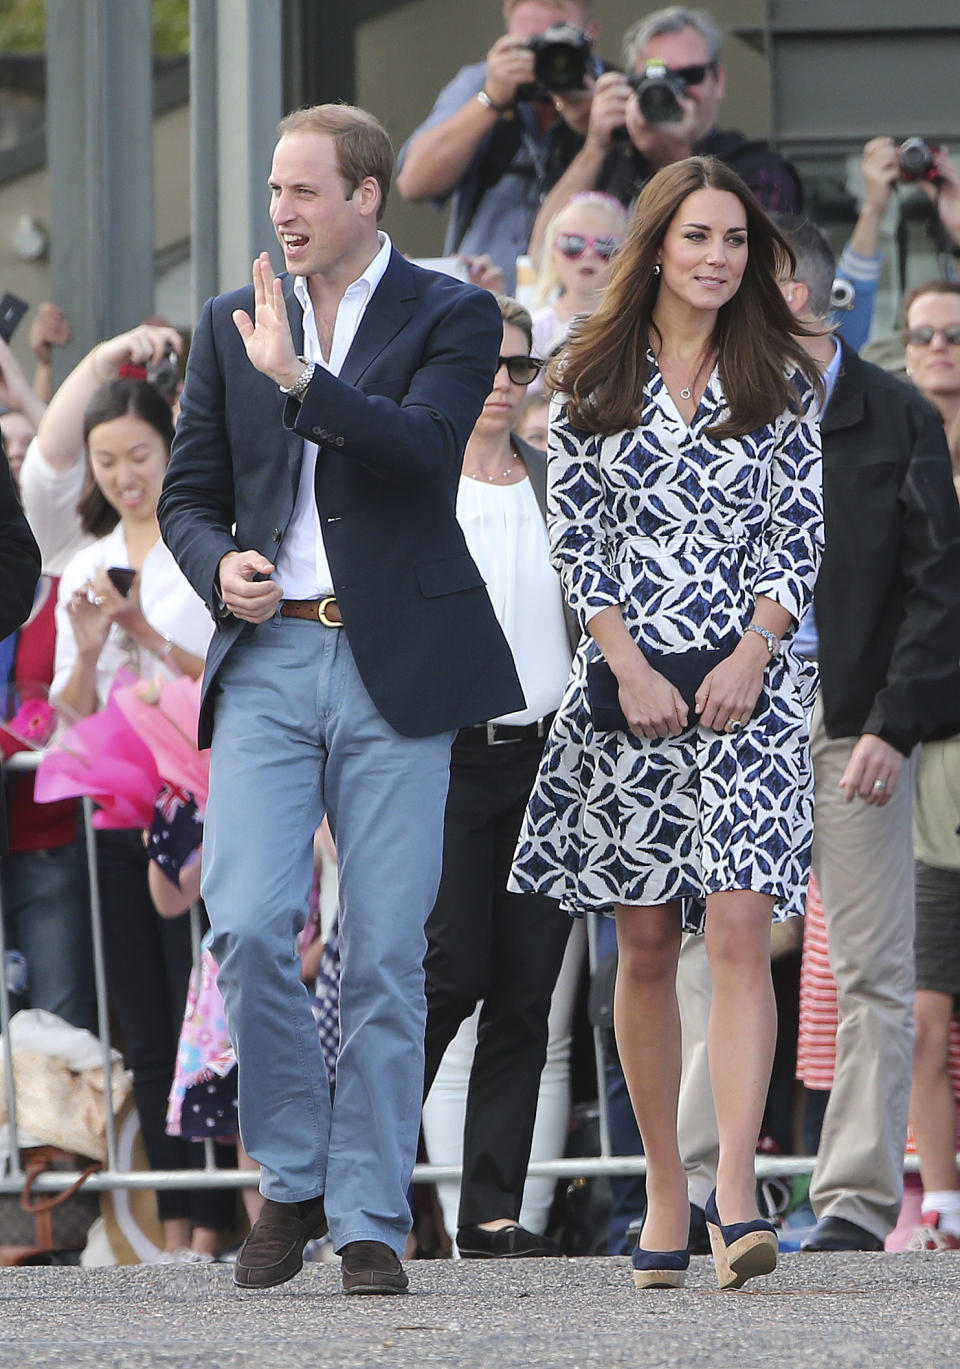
[903,248]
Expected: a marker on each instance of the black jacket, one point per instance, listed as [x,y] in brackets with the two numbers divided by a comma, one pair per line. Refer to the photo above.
[773,179]
[887,601]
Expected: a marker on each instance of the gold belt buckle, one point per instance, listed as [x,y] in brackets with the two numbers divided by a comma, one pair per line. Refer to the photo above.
[322,611]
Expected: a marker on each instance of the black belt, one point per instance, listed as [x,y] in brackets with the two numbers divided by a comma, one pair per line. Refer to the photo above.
[501,734]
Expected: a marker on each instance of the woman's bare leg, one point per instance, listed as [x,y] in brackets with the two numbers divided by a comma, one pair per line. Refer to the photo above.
[741,1039]
[647,1024]
[933,1108]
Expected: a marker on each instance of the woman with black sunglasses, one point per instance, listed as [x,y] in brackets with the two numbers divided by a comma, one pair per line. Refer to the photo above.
[486,945]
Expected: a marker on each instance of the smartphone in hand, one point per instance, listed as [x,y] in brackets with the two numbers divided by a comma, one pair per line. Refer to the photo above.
[12,310]
[122,577]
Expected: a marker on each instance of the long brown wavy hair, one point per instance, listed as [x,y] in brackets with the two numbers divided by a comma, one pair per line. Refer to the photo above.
[603,367]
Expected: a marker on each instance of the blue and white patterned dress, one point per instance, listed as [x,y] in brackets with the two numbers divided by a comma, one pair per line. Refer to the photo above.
[683,533]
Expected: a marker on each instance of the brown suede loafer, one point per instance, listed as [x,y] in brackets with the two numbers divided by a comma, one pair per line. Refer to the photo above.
[273,1252]
[371,1267]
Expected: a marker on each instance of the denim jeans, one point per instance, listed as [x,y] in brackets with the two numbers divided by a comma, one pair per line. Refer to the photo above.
[296,736]
[46,915]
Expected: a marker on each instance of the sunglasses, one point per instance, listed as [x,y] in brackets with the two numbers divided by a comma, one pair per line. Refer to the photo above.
[692,76]
[521,370]
[922,337]
[574,245]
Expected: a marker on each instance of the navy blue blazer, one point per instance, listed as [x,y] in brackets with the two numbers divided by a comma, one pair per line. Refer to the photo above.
[391,430]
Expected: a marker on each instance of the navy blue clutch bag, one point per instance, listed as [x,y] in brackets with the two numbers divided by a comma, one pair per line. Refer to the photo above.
[686,671]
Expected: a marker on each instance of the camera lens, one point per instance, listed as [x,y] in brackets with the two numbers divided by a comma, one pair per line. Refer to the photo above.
[560,69]
[561,57]
[659,104]
[658,90]
[915,158]
[842,294]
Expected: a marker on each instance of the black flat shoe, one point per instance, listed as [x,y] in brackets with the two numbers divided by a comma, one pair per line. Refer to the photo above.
[371,1267]
[507,1243]
[836,1233]
[273,1252]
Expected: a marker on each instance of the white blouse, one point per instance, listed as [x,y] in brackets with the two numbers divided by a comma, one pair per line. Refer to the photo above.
[169,605]
[50,500]
[507,538]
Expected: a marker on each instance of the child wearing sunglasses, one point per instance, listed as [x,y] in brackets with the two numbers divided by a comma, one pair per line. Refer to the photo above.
[582,241]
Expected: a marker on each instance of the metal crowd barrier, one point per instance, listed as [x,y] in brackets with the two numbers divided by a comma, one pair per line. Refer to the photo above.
[111,1176]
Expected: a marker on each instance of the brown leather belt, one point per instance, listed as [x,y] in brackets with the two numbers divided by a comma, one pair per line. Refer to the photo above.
[325,611]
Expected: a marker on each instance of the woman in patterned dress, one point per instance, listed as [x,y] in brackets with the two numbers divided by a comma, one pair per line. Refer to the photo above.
[684,498]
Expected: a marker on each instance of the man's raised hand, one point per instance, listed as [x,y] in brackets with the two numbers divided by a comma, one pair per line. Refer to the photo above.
[267,336]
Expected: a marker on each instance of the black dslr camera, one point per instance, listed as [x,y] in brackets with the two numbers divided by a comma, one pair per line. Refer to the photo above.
[658,92]
[915,159]
[561,60]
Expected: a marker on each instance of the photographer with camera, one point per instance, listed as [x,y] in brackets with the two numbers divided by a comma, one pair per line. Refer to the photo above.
[886,165]
[495,140]
[662,110]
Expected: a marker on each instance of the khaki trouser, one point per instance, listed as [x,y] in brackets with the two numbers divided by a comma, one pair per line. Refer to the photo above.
[863,857]
[696,1119]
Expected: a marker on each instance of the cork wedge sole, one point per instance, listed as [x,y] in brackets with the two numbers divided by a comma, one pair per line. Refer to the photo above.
[659,1278]
[748,1257]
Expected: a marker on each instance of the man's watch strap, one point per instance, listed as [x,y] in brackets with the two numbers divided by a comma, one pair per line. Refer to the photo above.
[299,387]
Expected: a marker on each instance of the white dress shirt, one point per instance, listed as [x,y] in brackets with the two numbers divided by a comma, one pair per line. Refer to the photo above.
[302,568]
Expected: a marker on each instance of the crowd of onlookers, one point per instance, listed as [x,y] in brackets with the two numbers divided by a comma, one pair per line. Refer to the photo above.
[540,149]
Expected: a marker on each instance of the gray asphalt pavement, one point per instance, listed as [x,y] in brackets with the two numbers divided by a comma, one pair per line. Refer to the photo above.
[849,1310]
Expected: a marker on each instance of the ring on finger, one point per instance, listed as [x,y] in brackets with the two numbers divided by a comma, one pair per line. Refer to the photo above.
[98,599]
[879,785]
[734,725]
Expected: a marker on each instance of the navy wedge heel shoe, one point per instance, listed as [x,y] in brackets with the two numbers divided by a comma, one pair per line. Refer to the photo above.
[742,1250]
[660,1268]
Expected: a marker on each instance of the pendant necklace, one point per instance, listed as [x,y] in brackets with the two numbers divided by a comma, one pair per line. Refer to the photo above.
[687,391]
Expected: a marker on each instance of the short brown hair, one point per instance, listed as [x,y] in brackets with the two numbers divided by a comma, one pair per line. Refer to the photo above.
[361,142]
[940,286]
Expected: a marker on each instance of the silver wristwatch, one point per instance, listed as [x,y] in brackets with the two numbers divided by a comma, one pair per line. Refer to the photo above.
[771,638]
[299,387]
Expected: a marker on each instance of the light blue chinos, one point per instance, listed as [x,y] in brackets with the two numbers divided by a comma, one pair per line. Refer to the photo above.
[297,735]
